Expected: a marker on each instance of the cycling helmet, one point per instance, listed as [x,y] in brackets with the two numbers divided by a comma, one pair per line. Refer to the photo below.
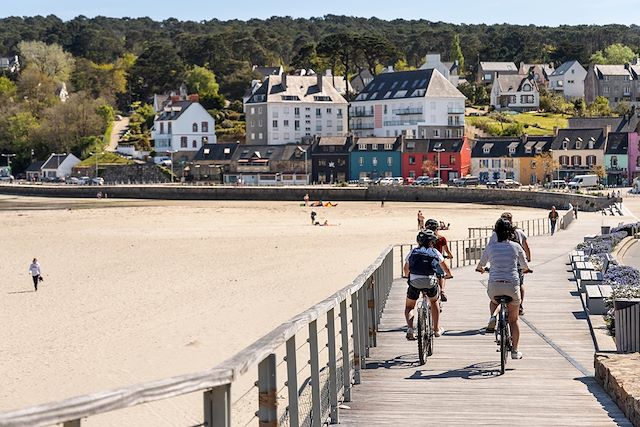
[432,224]
[425,237]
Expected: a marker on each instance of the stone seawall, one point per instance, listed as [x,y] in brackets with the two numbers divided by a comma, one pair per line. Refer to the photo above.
[619,375]
[534,199]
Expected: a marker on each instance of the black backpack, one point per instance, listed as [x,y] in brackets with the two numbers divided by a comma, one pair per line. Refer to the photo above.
[422,263]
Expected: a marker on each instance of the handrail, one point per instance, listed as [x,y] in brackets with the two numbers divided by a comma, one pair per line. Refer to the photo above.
[360,304]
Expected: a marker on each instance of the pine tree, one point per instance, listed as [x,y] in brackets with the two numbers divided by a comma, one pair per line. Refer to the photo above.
[456,53]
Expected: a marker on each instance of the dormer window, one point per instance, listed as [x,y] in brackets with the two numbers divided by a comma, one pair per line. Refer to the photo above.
[374,146]
[578,143]
[512,150]
[526,88]
[527,150]
[592,142]
[486,150]
[362,147]
[538,150]
[565,143]
[388,146]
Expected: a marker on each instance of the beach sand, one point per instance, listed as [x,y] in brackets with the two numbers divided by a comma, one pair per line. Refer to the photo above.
[142,290]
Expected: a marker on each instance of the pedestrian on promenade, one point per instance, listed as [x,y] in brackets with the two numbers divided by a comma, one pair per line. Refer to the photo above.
[553,219]
[420,220]
[575,211]
[34,270]
[313,217]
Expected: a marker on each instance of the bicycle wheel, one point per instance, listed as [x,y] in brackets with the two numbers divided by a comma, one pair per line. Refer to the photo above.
[502,320]
[429,330]
[422,334]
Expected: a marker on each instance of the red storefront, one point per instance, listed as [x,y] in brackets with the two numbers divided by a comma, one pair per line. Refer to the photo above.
[452,157]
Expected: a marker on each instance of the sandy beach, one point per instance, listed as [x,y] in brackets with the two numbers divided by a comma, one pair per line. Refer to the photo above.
[141,290]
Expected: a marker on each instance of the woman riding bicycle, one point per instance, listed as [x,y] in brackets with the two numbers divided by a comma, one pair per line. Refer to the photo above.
[420,267]
[504,256]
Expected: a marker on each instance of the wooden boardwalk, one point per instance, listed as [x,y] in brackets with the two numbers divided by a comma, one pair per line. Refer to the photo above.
[460,384]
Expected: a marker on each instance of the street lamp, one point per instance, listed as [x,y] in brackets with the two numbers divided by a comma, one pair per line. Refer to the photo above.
[96,154]
[439,150]
[9,156]
[306,173]
[171,153]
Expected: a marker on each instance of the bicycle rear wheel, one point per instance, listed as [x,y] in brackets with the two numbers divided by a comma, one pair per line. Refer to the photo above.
[422,334]
[504,339]
[429,330]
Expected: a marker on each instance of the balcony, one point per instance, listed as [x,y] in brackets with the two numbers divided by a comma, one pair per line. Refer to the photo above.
[162,142]
[402,122]
[361,113]
[362,126]
[407,111]
[455,110]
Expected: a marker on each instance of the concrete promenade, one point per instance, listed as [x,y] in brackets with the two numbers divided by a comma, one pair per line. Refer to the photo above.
[459,385]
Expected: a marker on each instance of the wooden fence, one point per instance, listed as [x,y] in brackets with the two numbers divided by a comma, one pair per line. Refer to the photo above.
[319,353]
[531,227]
[627,320]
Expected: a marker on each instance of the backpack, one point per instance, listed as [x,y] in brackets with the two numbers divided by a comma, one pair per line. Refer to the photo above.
[422,263]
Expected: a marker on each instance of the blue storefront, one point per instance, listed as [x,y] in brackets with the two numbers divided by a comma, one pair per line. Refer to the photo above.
[375,158]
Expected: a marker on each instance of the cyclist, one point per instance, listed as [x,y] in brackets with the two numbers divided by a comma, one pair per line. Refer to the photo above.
[505,258]
[518,236]
[442,246]
[420,268]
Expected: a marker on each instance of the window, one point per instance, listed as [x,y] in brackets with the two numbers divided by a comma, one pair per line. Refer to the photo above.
[194,127]
[486,150]
[318,112]
[374,146]
[412,160]
[275,124]
[484,163]
[564,160]
[361,161]
[183,142]
[285,123]
[296,124]
[452,160]
[322,162]
[253,136]
[329,123]
[637,161]
[169,127]
[253,110]
[362,147]
[526,88]
[194,144]
[339,112]
[605,89]
[565,143]
[204,126]
[614,161]
[161,127]
[388,146]
[447,133]
[296,111]
[591,160]
[512,150]
[495,163]
[253,123]
[328,110]
[385,109]
[576,160]
[260,123]
[508,163]
[374,161]
[436,133]
[260,135]
[389,161]
[412,174]
[533,164]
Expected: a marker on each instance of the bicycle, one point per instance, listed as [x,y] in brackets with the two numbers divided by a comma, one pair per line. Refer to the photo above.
[425,329]
[503,331]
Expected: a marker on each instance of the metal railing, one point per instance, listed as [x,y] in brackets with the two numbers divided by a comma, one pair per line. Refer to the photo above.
[319,353]
[407,111]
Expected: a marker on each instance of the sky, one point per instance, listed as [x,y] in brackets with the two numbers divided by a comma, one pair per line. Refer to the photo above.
[540,12]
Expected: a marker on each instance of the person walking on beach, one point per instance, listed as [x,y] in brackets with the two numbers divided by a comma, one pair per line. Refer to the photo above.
[553,219]
[313,217]
[420,220]
[34,270]
[306,199]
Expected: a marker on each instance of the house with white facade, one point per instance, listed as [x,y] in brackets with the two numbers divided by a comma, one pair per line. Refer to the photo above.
[10,64]
[515,92]
[415,104]
[489,71]
[568,80]
[58,165]
[449,70]
[183,127]
[289,109]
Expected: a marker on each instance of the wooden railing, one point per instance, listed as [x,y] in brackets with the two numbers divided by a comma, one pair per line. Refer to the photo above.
[531,227]
[319,353]
[627,321]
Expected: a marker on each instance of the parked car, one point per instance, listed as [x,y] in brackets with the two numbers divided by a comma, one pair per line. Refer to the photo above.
[73,180]
[409,181]
[466,181]
[491,184]
[52,179]
[507,183]
[85,180]
[6,178]
[422,180]
[365,181]
[97,181]
[435,181]
[398,180]
[557,183]
[386,181]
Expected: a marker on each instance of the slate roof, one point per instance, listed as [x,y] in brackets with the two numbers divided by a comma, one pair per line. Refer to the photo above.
[564,67]
[297,89]
[450,145]
[266,153]
[610,70]
[333,140]
[545,69]
[616,124]
[216,152]
[380,141]
[54,161]
[617,143]
[175,110]
[499,66]
[409,84]
[512,83]
[586,135]
[35,166]
[500,146]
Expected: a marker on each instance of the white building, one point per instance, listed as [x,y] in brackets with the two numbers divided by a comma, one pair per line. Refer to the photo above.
[183,127]
[568,80]
[287,109]
[59,165]
[515,92]
[449,70]
[416,104]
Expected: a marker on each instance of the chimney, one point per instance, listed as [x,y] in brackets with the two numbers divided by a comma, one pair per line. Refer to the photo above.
[283,81]
[328,73]
[194,97]
[320,79]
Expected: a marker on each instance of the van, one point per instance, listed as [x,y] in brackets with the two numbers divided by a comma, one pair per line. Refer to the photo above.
[583,181]
[466,181]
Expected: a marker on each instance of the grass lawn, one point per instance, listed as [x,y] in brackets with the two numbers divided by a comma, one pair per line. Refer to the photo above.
[535,123]
[105,158]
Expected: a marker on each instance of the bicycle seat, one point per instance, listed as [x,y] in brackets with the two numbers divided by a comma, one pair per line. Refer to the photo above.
[506,298]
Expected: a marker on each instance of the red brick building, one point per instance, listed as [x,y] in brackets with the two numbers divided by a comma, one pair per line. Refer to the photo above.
[422,157]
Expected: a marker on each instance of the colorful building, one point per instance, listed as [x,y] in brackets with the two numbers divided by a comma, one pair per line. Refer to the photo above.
[373,158]
[330,159]
[616,159]
[450,157]
[578,151]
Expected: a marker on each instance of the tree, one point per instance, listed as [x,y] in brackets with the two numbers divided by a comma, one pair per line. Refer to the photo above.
[616,53]
[599,170]
[158,69]
[456,53]
[547,164]
[599,107]
[339,48]
[37,89]
[7,88]
[374,50]
[203,82]
[622,108]
[429,167]
[48,59]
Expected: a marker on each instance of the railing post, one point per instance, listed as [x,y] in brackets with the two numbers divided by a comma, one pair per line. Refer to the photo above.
[401,257]
[346,361]
[217,406]
[72,423]
[457,254]
[292,382]
[464,254]
[364,323]
[267,392]
[333,365]
[373,316]
[316,407]
[355,320]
